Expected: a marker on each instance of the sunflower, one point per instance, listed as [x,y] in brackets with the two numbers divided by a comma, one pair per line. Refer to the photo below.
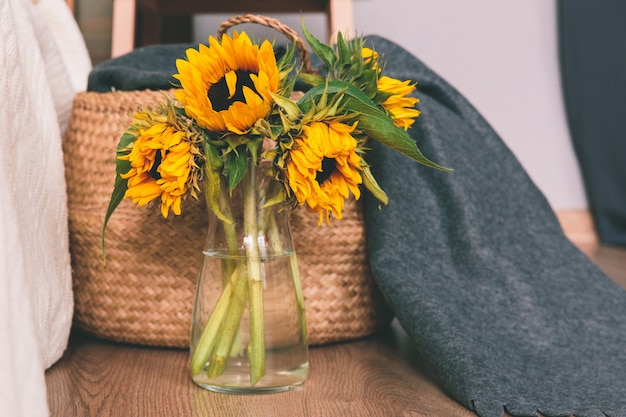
[160,161]
[227,86]
[400,107]
[370,57]
[324,167]
[398,104]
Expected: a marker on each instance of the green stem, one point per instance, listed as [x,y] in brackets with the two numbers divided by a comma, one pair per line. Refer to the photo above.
[268,221]
[256,347]
[295,272]
[229,264]
[229,329]
[274,238]
[208,337]
[230,231]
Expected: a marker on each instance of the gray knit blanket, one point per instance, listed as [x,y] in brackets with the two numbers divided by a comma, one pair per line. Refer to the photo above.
[507,313]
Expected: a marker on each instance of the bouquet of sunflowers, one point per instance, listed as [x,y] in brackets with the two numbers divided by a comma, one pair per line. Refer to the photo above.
[235,109]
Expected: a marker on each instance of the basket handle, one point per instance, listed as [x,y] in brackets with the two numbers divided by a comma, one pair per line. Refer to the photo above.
[275,24]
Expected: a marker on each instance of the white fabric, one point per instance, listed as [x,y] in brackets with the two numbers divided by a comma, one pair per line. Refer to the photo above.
[67,35]
[35,275]
[64,52]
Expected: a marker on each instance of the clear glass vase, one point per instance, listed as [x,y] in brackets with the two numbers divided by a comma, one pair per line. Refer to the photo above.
[248,330]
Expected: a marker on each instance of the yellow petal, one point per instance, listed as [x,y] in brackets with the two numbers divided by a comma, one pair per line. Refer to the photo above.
[231,82]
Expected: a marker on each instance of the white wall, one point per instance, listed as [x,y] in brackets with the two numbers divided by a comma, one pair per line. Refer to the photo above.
[502,56]
[205,25]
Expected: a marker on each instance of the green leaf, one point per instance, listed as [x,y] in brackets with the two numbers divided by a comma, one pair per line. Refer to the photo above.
[212,183]
[368,82]
[126,140]
[344,51]
[276,194]
[330,89]
[120,186]
[373,121]
[237,166]
[285,61]
[384,131]
[377,125]
[323,51]
[372,185]
[312,79]
[289,107]
[119,189]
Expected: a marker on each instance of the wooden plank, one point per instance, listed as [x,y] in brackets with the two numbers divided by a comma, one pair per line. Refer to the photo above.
[378,376]
[578,226]
[232,6]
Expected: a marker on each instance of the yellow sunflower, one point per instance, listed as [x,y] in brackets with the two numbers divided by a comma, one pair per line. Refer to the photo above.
[370,57]
[160,163]
[399,104]
[324,167]
[227,86]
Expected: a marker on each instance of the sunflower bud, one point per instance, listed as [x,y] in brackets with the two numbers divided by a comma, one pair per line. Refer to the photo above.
[287,106]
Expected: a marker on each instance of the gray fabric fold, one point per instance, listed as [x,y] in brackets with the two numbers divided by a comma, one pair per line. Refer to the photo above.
[593,71]
[147,68]
[506,311]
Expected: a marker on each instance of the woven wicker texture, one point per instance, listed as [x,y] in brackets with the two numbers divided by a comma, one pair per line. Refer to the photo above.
[145,292]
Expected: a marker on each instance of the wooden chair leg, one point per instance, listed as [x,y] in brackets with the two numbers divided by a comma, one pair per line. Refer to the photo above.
[340,18]
[123,31]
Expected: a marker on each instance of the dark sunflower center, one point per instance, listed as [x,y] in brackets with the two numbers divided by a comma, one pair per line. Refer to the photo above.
[218,93]
[157,162]
[328,167]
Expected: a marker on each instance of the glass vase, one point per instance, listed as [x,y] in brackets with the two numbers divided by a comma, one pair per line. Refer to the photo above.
[248,330]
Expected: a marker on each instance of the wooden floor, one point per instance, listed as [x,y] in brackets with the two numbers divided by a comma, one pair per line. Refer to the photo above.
[377,376]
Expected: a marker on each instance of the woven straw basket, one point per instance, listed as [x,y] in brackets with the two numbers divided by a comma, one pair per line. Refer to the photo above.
[145,292]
